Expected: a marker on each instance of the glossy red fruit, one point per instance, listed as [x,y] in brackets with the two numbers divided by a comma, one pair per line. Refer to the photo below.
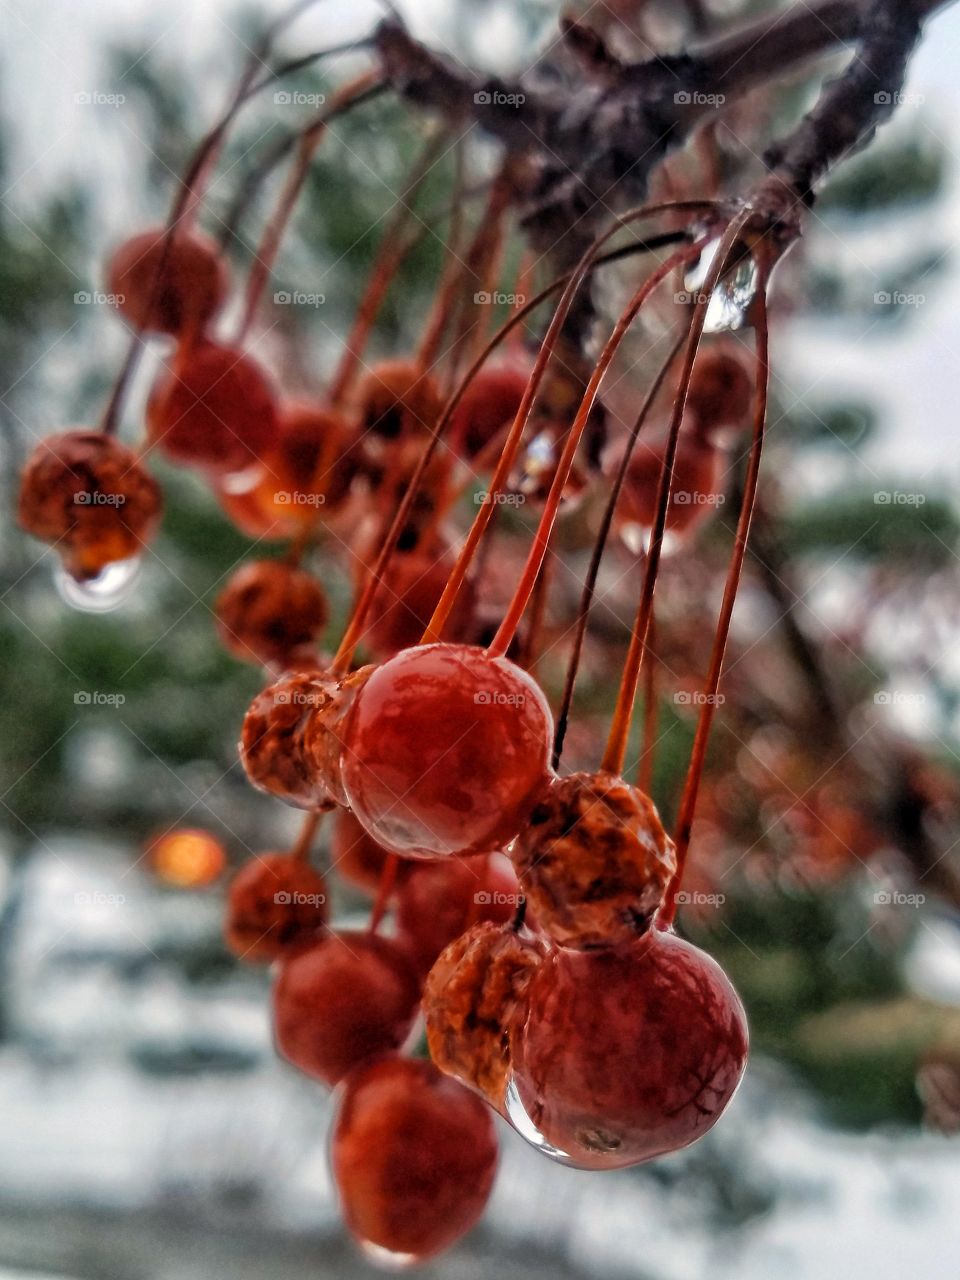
[721,389]
[594,861]
[414,1156]
[694,495]
[446,751]
[626,1053]
[168,283]
[343,1000]
[470,1001]
[267,609]
[275,902]
[438,900]
[397,398]
[213,409]
[354,854]
[292,739]
[487,408]
[90,497]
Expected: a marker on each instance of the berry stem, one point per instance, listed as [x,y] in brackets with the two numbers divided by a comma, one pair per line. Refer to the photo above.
[688,799]
[606,523]
[361,89]
[301,846]
[502,640]
[512,443]
[616,747]
[394,247]
[388,879]
[645,768]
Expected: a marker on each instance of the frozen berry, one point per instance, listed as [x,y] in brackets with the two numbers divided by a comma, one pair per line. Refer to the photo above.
[275,902]
[438,900]
[268,609]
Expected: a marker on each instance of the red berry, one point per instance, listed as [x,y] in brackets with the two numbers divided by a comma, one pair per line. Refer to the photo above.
[213,409]
[354,854]
[487,408]
[414,1156]
[275,902]
[398,398]
[721,389]
[292,737]
[168,283]
[471,998]
[438,900]
[269,608]
[405,600]
[594,861]
[695,492]
[88,495]
[343,1000]
[446,751]
[625,1053]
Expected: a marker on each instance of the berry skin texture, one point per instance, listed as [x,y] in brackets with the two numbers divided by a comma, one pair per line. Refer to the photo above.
[414,1156]
[470,1000]
[343,1000]
[213,409]
[275,902]
[627,1053]
[397,398]
[89,495]
[438,900]
[167,284]
[446,751]
[291,740]
[594,861]
[269,608]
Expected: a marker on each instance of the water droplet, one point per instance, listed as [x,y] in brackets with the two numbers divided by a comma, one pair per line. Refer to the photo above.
[729,307]
[538,464]
[516,1113]
[107,591]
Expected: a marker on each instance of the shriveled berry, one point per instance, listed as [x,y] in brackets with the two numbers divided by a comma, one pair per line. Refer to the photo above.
[446,751]
[439,899]
[414,1156]
[398,398]
[275,902]
[90,497]
[470,1000]
[343,1000]
[594,861]
[626,1053]
[267,609]
[213,409]
[168,283]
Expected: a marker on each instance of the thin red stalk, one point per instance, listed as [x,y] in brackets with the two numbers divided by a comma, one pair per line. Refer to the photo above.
[515,434]
[688,800]
[504,637]
[645,768]
[616,747]
[265,257]
[354,631]
[606,523]
[311,823]
[394,247]
[388,879]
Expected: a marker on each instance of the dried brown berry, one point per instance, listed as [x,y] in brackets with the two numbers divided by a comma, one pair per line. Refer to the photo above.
[275,902]
[268,609]
[594,861]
